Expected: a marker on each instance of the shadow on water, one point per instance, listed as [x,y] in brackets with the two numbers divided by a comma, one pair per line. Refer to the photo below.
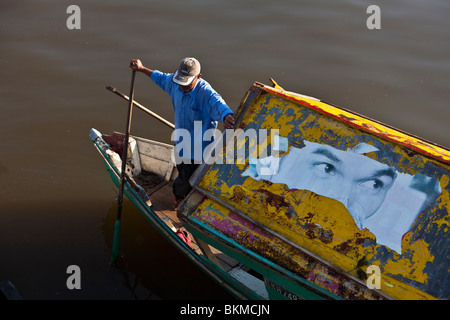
[149,266]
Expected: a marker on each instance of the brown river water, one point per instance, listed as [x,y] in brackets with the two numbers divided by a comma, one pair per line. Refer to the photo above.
[57,203]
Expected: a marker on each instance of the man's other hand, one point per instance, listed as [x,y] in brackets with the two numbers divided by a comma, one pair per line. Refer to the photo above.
[228,122]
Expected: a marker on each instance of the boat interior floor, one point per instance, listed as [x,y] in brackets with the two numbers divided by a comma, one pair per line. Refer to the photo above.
[160,193]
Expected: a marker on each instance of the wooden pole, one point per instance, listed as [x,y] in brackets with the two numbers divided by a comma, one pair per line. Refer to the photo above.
[116,240]
[120,94]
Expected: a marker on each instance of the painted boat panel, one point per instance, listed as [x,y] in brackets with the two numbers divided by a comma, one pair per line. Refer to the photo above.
[394,216]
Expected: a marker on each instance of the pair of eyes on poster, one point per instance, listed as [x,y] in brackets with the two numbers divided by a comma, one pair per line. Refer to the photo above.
[377,196]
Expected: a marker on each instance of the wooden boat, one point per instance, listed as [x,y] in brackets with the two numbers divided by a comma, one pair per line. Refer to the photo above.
[273,223]
[152,170]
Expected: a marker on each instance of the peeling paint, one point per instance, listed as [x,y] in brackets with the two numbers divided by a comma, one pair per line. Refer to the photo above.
[290,219]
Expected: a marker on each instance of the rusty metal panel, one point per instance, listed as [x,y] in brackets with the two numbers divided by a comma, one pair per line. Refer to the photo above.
[347,190]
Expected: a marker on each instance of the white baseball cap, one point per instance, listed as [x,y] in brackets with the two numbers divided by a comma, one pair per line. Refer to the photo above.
[189,68]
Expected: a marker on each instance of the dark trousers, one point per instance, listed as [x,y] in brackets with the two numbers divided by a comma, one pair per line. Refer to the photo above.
[181,185]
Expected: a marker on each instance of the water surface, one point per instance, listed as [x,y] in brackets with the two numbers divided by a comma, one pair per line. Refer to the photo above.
[57,202]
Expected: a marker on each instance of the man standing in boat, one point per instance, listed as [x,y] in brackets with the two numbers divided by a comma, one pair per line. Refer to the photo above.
[197,106]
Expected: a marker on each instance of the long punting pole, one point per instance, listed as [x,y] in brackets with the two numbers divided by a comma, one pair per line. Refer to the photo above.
[116,240]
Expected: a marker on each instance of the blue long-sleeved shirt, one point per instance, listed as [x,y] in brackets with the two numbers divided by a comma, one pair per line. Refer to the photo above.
[203,104]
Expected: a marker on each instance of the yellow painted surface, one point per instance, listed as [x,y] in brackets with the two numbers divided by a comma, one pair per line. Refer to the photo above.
[323,226]
[392,134]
